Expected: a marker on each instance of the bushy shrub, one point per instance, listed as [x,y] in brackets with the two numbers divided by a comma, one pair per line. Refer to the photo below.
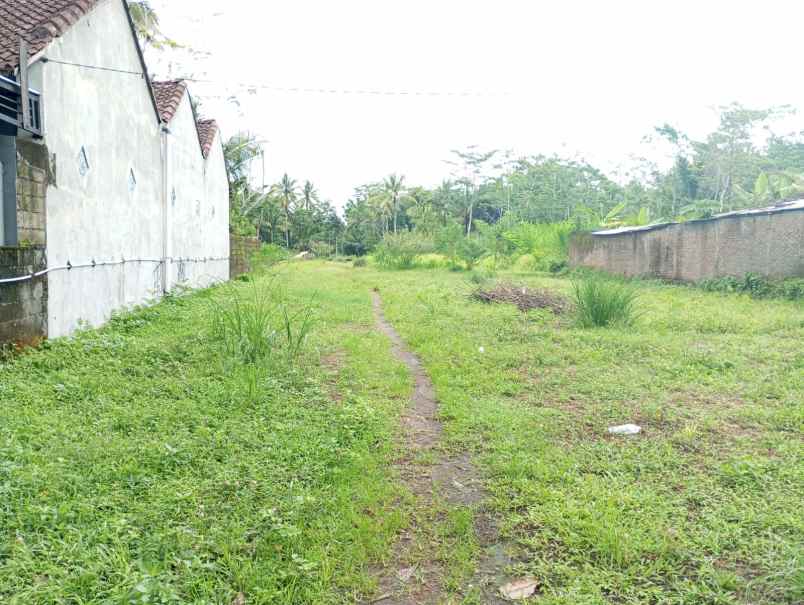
[604,302]
[322,249]
[470,251]
[557,266]
[447,241]
[543,241]
[526,262]
[432,261]
[756,286]
[491,263]
[482,277]
[399,251]
[360,262]
[791,289]
[269,255]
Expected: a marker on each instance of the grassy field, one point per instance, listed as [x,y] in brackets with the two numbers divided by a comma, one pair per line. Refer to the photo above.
[703,507]
[139,465]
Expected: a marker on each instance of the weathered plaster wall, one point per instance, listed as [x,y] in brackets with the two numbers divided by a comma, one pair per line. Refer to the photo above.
[769,244]
[23,305]
[31,185]
[216,184]
[199,204]
[96,216]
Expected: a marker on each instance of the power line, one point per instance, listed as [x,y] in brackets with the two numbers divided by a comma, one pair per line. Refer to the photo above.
[95,67]
[299,90]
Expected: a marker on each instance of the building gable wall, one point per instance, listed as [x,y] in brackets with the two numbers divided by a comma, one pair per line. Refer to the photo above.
[199,203]
[99,215]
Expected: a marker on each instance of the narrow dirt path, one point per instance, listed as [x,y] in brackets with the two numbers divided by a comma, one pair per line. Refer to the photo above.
[415,574]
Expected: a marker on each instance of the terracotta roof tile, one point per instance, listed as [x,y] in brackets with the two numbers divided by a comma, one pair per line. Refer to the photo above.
[38,22]
[206,135]
[168,96]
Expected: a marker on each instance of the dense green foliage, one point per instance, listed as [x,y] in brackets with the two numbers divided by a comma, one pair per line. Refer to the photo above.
[757,286]
[741,164]
[284,213]
[400,250]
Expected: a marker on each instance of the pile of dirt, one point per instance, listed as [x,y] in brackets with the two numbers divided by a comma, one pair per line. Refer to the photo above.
[523,297]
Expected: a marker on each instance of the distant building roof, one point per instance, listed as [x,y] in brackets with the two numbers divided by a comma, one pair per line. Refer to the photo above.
[168,96]
[206,135]
[36,21]
[779,207]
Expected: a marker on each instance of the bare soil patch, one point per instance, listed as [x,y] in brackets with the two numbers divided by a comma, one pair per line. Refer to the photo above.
[331,364]
[431,475]
[523,297]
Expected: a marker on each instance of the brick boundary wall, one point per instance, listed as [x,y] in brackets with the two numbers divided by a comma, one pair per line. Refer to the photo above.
[241,249]
[23,305]
[769,244]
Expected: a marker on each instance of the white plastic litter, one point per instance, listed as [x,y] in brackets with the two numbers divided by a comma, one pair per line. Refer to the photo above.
[625,429]
[519,589]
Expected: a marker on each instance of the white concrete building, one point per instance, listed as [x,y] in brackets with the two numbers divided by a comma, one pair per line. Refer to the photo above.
[121,184]
[197,188]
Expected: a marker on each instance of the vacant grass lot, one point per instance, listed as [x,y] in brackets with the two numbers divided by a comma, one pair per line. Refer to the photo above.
[138,466]
[705,506]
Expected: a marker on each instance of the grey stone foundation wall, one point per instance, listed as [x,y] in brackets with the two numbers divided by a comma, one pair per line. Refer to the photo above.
[23,305]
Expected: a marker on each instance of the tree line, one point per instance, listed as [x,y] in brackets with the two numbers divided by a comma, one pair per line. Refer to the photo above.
[286,213]
[741,164]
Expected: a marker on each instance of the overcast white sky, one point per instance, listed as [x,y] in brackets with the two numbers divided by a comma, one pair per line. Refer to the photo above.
[573,77]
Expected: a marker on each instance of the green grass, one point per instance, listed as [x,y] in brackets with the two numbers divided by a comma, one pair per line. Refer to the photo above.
[139,464]
[703,507]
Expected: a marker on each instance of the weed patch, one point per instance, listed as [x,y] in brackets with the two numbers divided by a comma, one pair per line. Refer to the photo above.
[756,286]
[601,302]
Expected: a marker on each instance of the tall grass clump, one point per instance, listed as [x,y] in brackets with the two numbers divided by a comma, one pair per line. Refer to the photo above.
[242,323]
[257,323]
[603,302]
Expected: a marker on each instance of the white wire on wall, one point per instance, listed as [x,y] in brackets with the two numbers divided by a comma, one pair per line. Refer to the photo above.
[92,264]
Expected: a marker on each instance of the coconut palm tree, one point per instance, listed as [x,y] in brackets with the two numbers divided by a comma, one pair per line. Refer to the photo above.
[146,23]
[287,192]
[383,207]
[394,188]
[309,196]
[391,196]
